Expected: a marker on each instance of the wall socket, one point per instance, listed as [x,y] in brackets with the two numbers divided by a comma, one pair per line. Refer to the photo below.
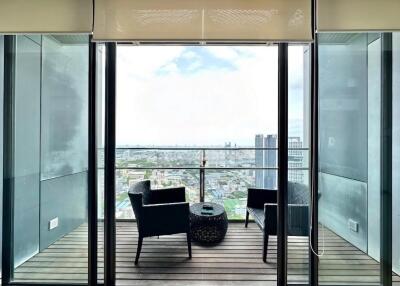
[53,223]
[353,225]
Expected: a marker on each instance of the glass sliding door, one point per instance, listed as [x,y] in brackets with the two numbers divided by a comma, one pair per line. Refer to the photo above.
[350,150]
[349,141]
[49,125]
[298,163]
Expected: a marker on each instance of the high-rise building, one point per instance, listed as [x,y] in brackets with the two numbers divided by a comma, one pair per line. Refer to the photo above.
[270,161]
[259,160]
[295,160]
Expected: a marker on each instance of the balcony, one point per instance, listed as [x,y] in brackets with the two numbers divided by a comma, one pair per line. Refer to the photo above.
[235,261]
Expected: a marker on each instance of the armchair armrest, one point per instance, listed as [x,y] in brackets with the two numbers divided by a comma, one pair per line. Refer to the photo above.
[270,218]
[256,198]
[163,219]
[168,195]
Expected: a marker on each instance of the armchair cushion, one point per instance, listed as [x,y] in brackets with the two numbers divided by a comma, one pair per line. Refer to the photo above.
[297,219]
[164,219]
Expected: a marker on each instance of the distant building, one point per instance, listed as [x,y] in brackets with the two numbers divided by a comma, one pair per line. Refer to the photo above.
[259,160]
[270,160]
[295,160]
[228,153]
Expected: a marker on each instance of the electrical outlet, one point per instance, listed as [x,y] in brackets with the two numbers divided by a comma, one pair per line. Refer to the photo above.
[353,225]
[53,223]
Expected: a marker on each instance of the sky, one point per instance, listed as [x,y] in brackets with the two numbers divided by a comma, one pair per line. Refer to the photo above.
[203,95]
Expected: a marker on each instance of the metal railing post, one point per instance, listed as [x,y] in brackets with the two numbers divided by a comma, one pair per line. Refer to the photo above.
[202,175]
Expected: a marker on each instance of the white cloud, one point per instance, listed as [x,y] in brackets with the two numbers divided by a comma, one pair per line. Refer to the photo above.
[226,53]
[209,107]
[144,61]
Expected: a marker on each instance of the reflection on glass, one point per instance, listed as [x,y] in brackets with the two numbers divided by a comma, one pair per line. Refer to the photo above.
[26,150]
[64,105]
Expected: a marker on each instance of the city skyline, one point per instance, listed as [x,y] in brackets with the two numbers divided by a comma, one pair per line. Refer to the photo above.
[227,185]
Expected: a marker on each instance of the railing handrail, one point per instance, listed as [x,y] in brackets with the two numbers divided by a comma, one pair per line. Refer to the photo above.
[205,148]
[206,168]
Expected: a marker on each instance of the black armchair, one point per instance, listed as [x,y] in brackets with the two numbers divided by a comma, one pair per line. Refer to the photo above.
[262,205]
[159,212]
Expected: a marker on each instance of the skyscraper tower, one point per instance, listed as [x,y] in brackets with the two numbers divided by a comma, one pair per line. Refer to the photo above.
[259,160]
[295,160]
[270,160]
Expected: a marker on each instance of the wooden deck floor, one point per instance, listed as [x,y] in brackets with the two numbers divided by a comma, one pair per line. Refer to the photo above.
[236,261]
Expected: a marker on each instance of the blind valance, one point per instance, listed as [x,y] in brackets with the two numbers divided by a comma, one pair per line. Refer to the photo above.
[46,16]
[358,15]
[132,20]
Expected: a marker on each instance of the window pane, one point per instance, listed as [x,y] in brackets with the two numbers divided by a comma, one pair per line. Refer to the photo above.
[190,102]
[298,163]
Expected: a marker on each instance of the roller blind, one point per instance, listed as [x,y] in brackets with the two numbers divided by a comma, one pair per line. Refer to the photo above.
[358,15]
[46,16]
[131,20]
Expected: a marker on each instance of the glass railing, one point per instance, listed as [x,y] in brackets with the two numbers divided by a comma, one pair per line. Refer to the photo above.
[213,174]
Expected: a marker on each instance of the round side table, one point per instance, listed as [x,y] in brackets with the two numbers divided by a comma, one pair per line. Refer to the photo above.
[209,227]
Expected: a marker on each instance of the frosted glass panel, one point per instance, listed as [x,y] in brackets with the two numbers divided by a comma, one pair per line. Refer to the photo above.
[26,149]
[64,105]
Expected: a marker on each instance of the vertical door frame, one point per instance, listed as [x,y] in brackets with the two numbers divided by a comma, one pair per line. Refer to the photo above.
[386,159]
[282,196]
[92,167]
[314,148]
[109,165]
[8,160]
